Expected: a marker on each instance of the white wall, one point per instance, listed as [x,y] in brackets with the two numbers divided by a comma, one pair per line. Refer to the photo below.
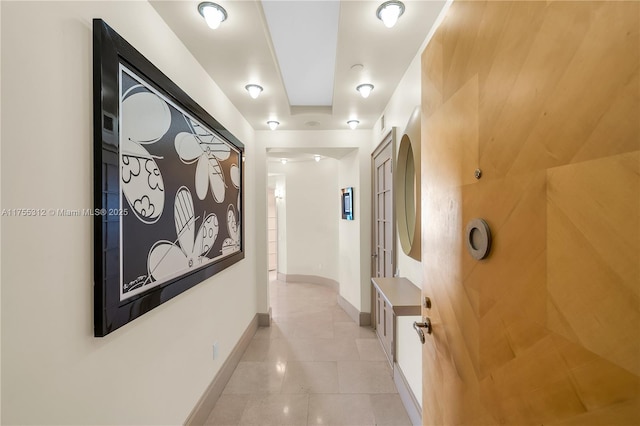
[409,354]
[153,370]
[364,199]
[312,207]
[397,113]
[400,107]
[359,289]
[404,100]
[349,230]
[259,209]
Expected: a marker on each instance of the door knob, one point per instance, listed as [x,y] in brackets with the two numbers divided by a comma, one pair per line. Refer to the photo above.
[418,326]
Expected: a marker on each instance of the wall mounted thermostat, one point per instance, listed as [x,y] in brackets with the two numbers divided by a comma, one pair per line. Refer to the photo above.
[347,203]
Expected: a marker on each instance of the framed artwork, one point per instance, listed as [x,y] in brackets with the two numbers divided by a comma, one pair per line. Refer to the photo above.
[168,187]
[347,203]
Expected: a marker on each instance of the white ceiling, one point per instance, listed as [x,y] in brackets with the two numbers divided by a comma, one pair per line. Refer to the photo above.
[305,40]
[242,51]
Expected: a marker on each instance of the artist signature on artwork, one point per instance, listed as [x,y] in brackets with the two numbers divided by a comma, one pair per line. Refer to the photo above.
[138,282]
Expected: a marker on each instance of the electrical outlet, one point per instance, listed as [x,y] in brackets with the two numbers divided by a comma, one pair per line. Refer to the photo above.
[215,350]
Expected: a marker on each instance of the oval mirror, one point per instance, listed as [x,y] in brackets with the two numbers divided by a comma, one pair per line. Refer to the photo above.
[408,188]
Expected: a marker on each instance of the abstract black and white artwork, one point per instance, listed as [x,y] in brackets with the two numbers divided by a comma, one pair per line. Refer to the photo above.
[168,184]
[177,224]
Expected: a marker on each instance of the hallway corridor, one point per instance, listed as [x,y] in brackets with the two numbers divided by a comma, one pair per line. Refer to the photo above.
[313,366]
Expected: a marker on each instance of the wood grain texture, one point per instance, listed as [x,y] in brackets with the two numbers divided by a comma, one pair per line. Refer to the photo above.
[544,97]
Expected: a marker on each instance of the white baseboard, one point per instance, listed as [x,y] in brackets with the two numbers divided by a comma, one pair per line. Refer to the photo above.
[264,320]
[310,279]
[210,396]
[406,395]
[360,318]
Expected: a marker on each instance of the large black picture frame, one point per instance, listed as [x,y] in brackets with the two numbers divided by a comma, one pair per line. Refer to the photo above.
[166,216]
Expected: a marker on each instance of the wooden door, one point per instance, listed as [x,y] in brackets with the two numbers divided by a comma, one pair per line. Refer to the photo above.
[544,98]
[383,219]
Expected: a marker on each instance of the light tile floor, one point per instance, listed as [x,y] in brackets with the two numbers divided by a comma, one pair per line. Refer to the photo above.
[313,366]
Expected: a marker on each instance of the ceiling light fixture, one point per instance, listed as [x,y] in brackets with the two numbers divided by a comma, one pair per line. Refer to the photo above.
[365,89]
[316,157]
[283,161]
[273,124]
[213,13]
[353,124]
[254,90]
[389,12]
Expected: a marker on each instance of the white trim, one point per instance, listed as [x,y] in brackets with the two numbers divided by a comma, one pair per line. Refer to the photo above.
[409,400]
[309,279]
[264,319]
[207,401]
[360,318]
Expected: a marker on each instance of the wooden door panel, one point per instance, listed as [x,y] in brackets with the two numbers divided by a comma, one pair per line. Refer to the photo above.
[546,330]
[383,218]
[593,247]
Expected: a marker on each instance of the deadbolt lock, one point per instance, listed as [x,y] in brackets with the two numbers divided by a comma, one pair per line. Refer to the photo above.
[426,302]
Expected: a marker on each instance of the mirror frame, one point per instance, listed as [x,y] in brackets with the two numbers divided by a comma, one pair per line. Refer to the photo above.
[410,239]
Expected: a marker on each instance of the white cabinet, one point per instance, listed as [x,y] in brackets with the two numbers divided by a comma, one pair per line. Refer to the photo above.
[392,297]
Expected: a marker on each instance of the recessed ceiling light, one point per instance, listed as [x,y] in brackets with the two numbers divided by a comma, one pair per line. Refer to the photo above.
[389,12]
[316,157]
[254,90]
[365,89]
[213,13]
[273,124]
[353,124]
[283,161]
